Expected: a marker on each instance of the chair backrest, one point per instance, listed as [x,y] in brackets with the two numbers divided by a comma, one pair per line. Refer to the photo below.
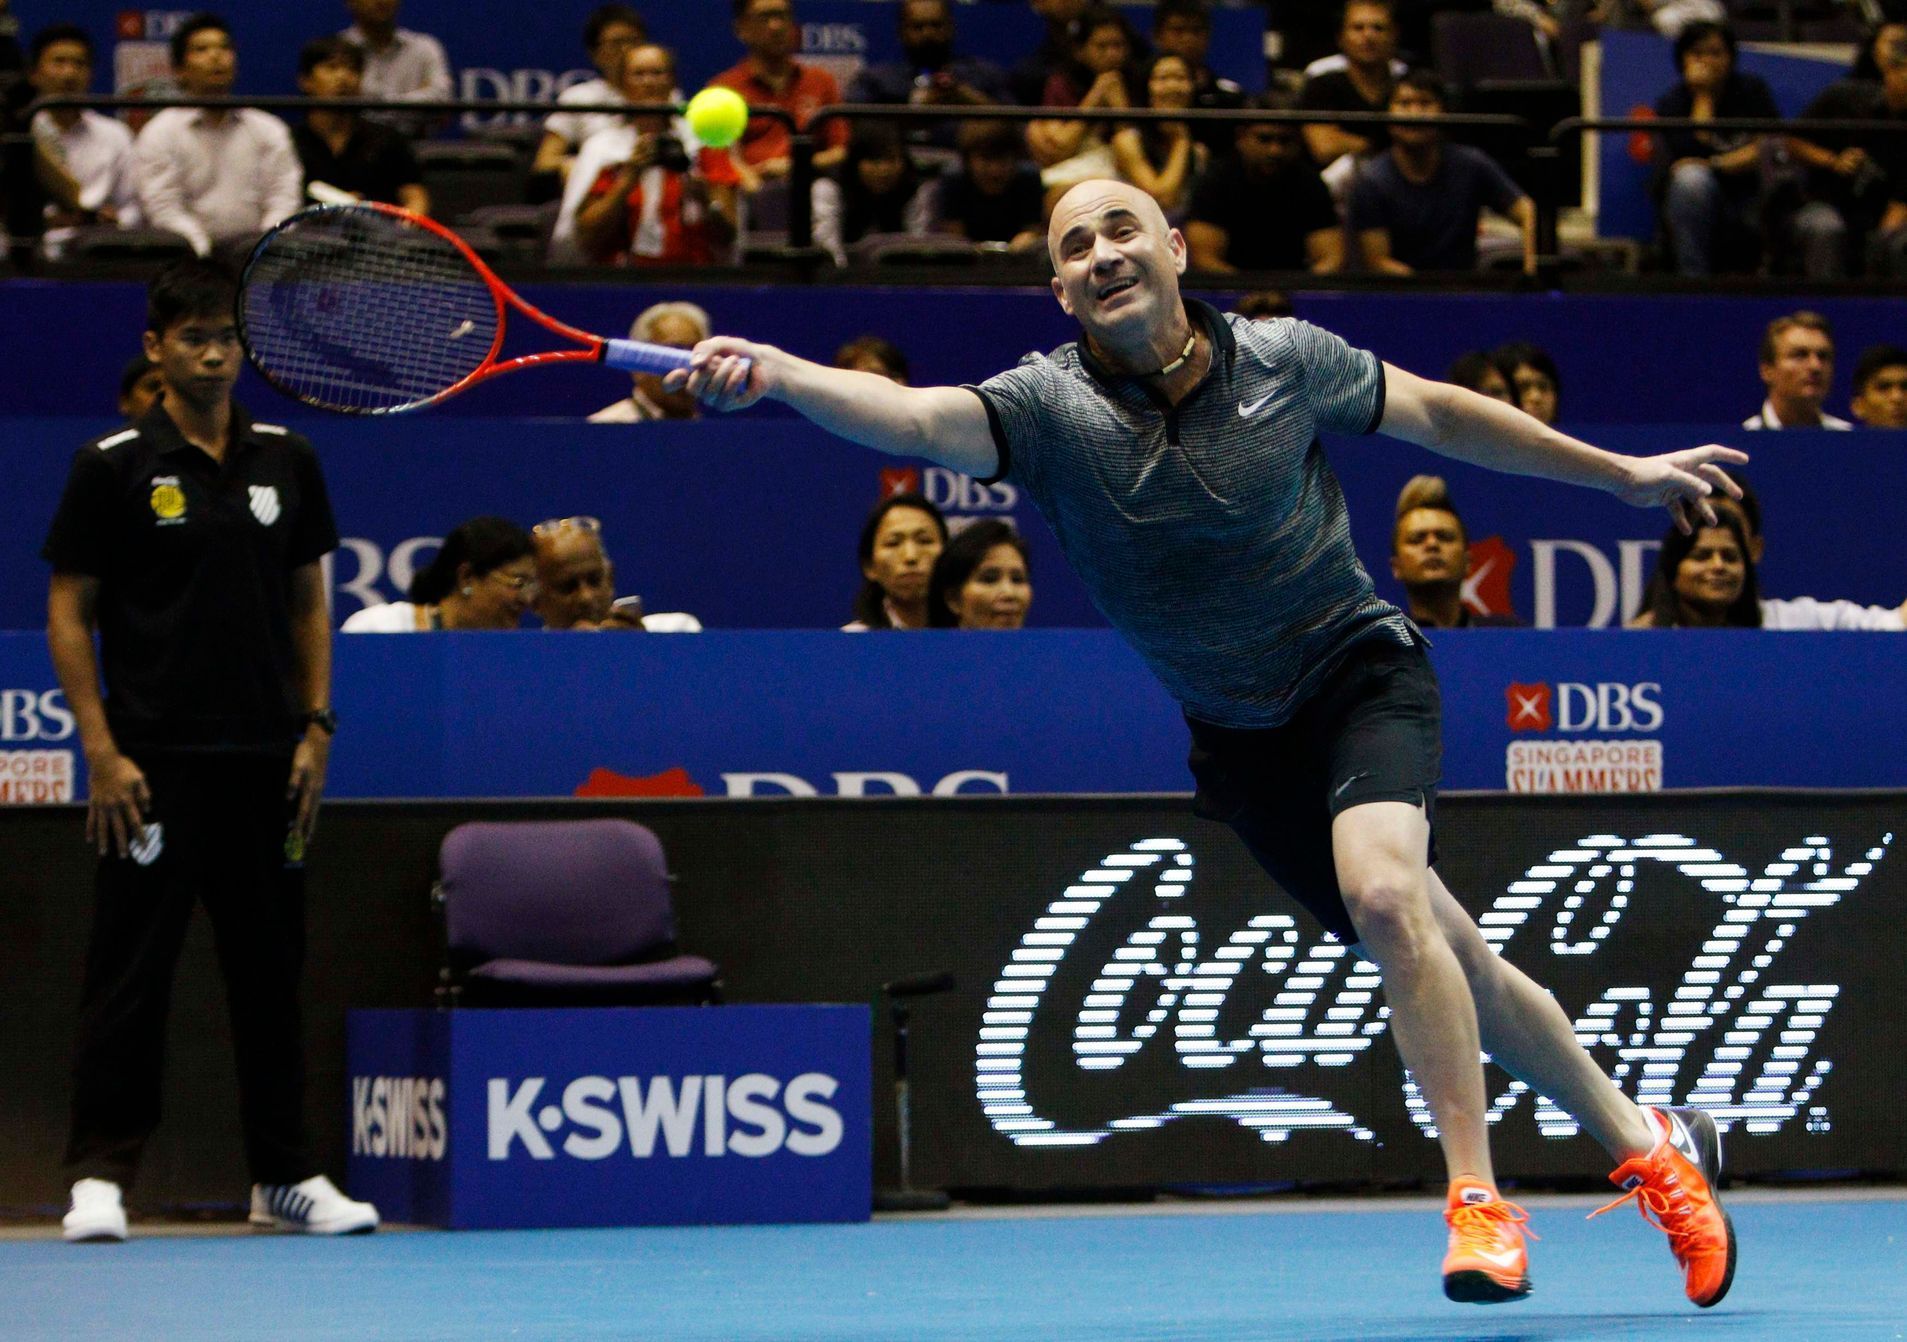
[577,892]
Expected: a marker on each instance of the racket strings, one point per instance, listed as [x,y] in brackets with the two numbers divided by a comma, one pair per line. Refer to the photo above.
[355,310]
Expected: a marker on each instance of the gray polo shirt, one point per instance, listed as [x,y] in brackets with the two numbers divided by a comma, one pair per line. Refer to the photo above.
[1212,535]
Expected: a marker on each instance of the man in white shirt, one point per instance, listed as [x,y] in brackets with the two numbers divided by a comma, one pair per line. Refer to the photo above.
[399,65]
[608,34]
[95,150]
[214,175]
[1797,367]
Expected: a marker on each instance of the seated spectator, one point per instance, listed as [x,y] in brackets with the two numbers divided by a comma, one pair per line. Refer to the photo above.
[483,577]
[1855,210]
[399,65]
[342,152]
[1029,75]
[608,34]
[899,543]
[680,326]
[1709,182]
[1790,613]
[140,388]
[1360,78]
[1415,207]
[929,74]
[1264,305]
[576,583]
[1430,556]
[770,76]
[1070,152]
[635,197]
[1264,207]
[1880,387]
[95,151]
[214,176]
[1706,579]
[982,580]
[1478,373]
[1797,368]
[1160,157]
[873,354]
[993,196]
[876,189]
[1536,387]
[1183,28]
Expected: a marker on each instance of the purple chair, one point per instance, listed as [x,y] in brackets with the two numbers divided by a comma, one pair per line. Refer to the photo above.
[563,913]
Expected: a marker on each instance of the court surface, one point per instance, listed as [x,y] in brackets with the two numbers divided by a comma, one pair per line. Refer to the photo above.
[1813,1267]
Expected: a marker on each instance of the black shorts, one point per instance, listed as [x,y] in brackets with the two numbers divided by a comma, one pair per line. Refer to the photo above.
[1374,732]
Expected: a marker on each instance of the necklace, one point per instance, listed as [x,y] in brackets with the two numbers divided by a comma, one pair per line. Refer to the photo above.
[1184,354]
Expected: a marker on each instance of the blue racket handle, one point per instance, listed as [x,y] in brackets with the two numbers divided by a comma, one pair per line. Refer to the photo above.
[639,356]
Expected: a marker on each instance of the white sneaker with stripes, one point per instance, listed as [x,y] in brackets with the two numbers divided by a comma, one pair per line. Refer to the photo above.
[314,1207]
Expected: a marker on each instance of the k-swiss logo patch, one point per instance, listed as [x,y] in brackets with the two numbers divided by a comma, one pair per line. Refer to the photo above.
[265,503]
[150,842]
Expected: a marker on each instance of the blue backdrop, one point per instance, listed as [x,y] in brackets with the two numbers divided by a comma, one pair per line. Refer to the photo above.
[1624,359]
[478,715]
[751,522]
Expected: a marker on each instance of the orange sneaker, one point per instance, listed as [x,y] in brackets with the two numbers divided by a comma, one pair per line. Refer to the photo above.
[1674,1189]
[1487,1261]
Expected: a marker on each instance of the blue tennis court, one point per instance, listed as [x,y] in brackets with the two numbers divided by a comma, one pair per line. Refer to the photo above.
[1813,1268]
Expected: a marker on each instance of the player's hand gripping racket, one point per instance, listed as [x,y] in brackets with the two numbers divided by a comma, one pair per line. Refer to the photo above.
[367,309]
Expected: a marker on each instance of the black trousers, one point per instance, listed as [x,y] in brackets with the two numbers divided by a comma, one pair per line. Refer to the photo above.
[217,832]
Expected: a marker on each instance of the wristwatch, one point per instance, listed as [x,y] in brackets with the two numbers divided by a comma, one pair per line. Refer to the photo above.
[324,719]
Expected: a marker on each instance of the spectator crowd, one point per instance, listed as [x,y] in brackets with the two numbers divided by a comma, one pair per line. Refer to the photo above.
[1304,192]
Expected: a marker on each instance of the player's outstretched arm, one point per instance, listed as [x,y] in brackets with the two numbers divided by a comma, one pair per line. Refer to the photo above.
[943,424]
[1462,424]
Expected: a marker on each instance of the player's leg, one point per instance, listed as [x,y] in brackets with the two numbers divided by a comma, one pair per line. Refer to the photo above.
[1669,1160]
[1381,849]
[1526,1033]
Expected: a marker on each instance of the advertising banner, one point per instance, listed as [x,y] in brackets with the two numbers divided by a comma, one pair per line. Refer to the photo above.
[493,1119]
[751,523]
[1043,711]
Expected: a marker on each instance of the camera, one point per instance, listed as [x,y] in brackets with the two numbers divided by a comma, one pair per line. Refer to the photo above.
[671,156]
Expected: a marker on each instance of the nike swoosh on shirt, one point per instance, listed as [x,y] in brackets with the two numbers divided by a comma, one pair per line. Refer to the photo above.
[1245,411]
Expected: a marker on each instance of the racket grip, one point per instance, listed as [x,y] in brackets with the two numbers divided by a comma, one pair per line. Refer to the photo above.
[638,356]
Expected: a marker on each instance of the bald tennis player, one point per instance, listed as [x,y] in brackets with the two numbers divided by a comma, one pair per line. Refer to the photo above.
[1174,450]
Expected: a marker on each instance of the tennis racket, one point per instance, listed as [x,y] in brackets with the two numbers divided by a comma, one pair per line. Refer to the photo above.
[367,309]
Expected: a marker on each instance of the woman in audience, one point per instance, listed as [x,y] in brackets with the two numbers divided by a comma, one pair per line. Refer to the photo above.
[875,189]
[982,580]
[1475,371]
[1709,182]
[483,577]
[1705,579]
[1070,152]
[635,196]
[899,543]
[1160,157]
[1536,386]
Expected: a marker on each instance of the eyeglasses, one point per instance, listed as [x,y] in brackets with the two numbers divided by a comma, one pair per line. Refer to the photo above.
[516,582]
[561,524]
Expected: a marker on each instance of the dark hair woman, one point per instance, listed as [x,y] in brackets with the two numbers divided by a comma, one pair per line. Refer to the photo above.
[1706,579]
[899,543]
[982,580]
[482,577]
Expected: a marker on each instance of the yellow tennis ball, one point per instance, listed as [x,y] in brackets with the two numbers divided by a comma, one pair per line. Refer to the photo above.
[718,117]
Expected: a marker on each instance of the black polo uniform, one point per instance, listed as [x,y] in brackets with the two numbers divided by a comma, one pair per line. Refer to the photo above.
[194,559]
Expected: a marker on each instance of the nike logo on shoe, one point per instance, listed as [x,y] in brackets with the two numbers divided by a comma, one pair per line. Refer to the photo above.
[1246,411]
[1502,1258]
